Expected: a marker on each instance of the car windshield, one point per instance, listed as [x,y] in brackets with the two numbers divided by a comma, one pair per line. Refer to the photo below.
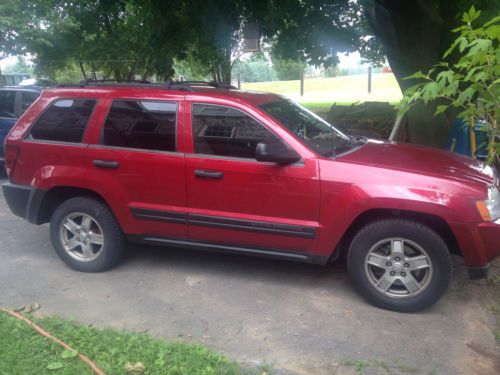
[312,129]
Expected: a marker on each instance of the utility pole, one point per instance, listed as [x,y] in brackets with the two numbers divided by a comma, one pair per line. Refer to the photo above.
[369,80]
[302,82]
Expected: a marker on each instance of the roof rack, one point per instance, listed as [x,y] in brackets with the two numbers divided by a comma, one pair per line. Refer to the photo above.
[191,85]
[169,85]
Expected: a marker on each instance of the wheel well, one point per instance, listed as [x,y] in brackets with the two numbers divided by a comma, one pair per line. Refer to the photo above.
[55,196]
[436,223]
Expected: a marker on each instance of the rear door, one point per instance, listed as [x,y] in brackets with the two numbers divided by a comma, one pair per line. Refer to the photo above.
[235,199]
[136,165]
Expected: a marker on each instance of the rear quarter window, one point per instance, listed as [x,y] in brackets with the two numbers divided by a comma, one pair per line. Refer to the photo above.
[64,121]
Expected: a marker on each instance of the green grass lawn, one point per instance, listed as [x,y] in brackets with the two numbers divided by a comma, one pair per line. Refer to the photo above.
[321,93]
[24,351]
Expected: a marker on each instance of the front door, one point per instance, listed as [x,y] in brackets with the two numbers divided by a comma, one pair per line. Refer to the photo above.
[234,199]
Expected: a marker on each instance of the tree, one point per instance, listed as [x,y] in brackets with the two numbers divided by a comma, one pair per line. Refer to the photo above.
[19,67]
[288,69]
[413,34]
[471,85]
[116,38]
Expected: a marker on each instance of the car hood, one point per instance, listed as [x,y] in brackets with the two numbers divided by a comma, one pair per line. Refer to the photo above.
[421,160]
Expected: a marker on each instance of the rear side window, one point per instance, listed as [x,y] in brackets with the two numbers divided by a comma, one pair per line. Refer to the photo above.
[7,104]
[146,125]
[64,121]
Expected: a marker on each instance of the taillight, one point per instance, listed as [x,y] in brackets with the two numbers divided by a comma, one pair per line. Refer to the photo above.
[10,153]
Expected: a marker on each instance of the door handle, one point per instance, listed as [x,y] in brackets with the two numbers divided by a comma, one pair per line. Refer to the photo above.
[208,174]
[106,164]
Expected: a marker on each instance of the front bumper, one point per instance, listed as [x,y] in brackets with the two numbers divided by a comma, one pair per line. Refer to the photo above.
[480,244]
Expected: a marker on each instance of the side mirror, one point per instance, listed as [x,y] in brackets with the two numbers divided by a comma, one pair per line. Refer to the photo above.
[276,152]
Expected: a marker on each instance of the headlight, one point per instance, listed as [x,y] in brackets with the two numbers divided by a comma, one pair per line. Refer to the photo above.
[490,208]
[493,202]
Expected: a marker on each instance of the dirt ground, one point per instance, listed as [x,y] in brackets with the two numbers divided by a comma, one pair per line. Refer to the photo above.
[300,319]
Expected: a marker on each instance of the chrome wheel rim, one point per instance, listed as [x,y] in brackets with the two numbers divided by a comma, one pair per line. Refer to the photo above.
[81,237]
[398,268]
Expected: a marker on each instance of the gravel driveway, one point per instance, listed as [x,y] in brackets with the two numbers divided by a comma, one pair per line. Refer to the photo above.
[301,319]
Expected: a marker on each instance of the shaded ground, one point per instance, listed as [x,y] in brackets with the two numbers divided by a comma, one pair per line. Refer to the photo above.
[302,319]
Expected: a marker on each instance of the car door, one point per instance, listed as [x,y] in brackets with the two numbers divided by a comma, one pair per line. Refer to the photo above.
[235,200]
[137,167]
[8,117]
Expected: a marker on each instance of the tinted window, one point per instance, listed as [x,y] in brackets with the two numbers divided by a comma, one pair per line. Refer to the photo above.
[64,121]
[226,131]
[141,124]
[27,98]
[7,104]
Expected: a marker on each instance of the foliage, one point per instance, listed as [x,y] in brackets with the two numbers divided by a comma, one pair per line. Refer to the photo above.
[287,69]
[19,67]
[257,70]
[471,85]
[23,351]
[331,71]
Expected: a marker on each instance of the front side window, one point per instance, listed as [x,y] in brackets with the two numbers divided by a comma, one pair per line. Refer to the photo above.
[310,128]
[64,121]
[7,104]
[226,131]
[147,125]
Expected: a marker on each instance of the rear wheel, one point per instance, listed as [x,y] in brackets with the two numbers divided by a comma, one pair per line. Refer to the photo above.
[399,265]
[86,236]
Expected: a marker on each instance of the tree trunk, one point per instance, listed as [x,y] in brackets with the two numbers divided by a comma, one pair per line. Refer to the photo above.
[83,70]
[411,33]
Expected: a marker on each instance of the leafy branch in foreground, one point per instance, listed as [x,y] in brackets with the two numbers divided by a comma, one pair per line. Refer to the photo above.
[469,87]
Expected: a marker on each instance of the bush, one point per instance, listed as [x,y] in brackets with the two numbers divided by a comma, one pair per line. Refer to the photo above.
[254,71]
[288,70]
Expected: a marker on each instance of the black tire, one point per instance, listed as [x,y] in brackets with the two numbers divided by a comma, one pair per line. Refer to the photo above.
[362,274]
[114,243]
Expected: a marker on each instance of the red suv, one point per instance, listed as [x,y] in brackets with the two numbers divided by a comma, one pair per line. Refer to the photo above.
[212,168]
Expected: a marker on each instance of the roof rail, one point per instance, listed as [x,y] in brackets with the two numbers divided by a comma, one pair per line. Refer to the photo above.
[191,85]
[169,85]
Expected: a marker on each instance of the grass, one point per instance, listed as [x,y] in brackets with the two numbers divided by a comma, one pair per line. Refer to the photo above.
[321,93]
[361,367]
[23,351]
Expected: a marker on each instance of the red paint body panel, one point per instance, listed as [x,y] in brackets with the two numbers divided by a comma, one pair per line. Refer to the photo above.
[323,195]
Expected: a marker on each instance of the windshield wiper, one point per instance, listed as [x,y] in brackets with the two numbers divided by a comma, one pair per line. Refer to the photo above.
[352,141]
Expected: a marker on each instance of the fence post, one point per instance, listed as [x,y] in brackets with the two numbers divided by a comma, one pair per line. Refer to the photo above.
[369,80]
[302,82]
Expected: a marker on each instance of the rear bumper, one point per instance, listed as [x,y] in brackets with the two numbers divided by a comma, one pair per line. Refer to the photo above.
[480,244]
[24,201]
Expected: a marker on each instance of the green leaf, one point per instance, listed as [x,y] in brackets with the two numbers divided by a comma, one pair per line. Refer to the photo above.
[417,75]
[440,109]
[479,45]
[55,366]
[463,44]
[492,21]
[493,31]
[69,354]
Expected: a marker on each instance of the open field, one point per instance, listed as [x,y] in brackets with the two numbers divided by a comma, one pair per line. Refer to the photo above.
[320,93]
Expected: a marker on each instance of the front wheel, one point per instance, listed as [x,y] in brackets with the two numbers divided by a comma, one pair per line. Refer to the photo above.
[85,235]
[399,265]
